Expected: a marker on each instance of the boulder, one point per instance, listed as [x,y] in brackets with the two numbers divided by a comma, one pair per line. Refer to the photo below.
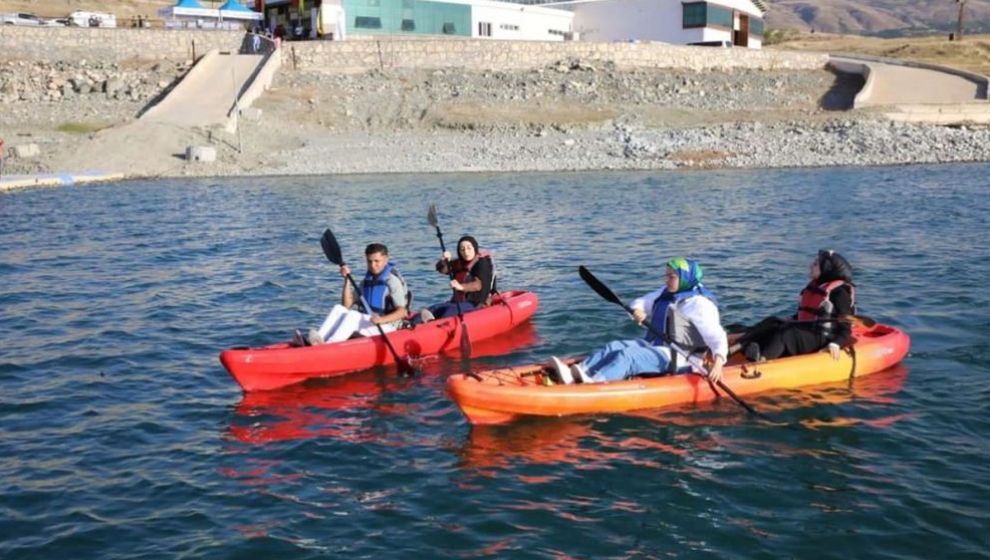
[25,151]
[204,154]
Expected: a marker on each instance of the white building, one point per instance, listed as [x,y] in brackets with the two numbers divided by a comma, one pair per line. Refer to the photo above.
[679,22]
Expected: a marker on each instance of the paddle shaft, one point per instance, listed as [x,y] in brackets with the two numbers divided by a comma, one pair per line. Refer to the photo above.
[450,270]
[720,383]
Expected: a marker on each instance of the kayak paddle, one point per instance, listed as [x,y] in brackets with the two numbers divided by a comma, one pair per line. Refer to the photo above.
[608,295]
[332,250]
[431,217]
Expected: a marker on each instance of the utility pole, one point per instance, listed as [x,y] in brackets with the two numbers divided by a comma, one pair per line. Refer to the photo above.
[959,23]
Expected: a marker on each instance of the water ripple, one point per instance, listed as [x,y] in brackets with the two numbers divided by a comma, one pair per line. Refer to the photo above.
[122,436]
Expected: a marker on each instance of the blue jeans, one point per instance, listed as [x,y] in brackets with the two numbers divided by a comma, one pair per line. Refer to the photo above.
[449,309]
[621,359]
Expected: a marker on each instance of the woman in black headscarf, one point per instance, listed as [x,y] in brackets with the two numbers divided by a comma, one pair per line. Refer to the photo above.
[473,280]
[823,316]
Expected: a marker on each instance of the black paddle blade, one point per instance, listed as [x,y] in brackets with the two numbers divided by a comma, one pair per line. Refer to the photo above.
[465,341]
[431,215]
[597,286]
[331,248]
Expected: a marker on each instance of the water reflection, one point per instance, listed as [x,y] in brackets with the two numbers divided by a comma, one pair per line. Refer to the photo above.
[337,407]
[587,442]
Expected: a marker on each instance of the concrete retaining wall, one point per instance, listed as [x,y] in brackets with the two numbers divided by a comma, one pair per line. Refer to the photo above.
[89,43]
[361,56]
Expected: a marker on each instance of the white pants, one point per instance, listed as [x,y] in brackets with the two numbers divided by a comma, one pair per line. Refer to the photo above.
[342,322]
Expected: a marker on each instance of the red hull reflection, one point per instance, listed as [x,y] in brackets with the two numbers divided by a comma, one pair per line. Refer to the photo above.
[336,407]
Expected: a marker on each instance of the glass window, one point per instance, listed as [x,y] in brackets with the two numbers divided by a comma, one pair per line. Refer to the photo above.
[484,29]
[448,28]
[719,16]
[365,22]
[755,26]
[408,25]
[694,14]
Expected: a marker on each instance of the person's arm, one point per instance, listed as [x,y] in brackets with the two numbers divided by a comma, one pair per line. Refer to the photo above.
[642,305]
[704,315]
[842,303]
[482,274]
[347,294]
[840,335]
[441,265]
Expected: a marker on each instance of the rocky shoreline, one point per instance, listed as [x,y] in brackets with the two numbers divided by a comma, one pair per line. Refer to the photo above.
[568,116]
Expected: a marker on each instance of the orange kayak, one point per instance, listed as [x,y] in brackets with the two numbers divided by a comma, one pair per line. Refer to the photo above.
[502,395]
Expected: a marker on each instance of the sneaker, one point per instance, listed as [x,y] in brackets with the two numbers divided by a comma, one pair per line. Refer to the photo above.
[425,316]
[563,372]
[752,352]
[314,338]
[580,375]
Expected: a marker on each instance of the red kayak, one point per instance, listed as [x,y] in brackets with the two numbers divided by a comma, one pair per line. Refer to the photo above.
[279,365]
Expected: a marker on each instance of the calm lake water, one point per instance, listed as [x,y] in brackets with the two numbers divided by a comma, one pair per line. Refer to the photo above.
[121,435]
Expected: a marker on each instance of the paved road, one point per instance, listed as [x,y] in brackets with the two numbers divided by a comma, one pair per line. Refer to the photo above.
[899,85]
[206,94]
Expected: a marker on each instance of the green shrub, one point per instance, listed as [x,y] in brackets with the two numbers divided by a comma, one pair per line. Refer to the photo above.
[80,127]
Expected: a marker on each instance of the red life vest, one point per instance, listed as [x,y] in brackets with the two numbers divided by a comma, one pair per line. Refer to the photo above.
[813,299]
[462,272]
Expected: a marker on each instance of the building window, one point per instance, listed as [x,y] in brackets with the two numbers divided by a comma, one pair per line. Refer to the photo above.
[484,29]
[407,4]
[719,16]
[365,22]
[694,15]
[508,27]
[408,25]
[448,28]
[755,26]
[556,32]
[704,14]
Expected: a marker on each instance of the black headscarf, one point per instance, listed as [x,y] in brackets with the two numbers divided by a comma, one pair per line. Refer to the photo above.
[469,239]
[833,266]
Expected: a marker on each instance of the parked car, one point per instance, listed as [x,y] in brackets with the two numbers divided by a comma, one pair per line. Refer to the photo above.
[92,19]
[29,20]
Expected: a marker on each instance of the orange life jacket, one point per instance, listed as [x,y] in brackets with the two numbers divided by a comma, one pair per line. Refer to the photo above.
[813,298]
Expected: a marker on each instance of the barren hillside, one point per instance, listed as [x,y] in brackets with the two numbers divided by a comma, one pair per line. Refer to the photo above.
[879,17]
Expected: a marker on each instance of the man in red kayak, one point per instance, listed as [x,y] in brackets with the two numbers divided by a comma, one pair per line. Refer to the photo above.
[384,291]
[685,315]
[473,282]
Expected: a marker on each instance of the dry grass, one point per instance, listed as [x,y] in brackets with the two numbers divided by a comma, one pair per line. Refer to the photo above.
[73,127]
[972,53]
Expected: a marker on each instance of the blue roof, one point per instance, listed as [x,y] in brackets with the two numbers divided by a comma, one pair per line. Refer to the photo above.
[189,4]
[234,6]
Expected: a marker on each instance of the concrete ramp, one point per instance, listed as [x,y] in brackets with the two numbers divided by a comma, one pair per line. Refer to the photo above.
[890,83]
[209,93]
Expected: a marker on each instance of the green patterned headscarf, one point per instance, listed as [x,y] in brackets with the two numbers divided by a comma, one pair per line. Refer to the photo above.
[688,271]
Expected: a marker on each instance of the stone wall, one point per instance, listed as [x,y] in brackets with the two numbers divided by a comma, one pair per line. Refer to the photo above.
[114,45]
[51,44]
[361,56]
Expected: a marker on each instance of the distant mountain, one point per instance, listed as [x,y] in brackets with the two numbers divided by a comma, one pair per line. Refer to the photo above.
[888,18]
